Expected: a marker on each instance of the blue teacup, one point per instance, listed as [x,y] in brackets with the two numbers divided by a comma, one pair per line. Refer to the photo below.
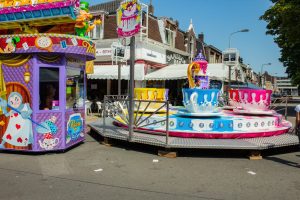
[200,101]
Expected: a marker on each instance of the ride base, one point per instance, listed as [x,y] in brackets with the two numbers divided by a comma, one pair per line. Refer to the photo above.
[260,143]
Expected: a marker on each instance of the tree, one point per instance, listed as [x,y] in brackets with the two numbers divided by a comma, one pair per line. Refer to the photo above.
[283,20]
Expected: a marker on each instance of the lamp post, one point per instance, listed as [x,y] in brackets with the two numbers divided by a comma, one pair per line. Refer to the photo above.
[261,71]
[229,66]
[240,31]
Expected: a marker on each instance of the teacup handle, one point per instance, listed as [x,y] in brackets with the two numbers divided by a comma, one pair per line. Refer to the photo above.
[193,97]
[56,141]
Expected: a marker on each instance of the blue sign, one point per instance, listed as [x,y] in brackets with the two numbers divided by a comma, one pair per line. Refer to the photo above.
[75,126]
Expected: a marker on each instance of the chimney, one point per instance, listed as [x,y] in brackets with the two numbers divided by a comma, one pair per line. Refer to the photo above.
[201,37]
[151,8]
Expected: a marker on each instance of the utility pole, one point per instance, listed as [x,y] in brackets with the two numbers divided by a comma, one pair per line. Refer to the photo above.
[131,87]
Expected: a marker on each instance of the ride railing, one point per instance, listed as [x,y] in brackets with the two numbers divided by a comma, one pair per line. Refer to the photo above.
[146,113]
[280,104]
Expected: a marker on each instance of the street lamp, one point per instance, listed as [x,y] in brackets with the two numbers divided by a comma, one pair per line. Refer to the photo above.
[236,59]
[243,30]
[261,71]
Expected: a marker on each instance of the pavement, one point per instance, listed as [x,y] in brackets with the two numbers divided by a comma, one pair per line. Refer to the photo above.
[132,171]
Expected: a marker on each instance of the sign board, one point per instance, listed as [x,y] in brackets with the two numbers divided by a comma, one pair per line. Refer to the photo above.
[231,57]
[128,18]
[151,55]
[175,58]
[103,52]
[118,51]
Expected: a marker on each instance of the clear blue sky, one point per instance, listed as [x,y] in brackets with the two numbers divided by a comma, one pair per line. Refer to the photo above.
[218,18]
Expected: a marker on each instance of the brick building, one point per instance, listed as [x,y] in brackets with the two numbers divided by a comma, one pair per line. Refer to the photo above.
[160,43]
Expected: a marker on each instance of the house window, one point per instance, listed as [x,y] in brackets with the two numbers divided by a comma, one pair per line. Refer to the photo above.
[191,47]
[96,32]
[170,37]
[211,58]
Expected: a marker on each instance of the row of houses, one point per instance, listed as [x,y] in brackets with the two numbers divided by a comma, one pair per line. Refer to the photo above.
[163,51]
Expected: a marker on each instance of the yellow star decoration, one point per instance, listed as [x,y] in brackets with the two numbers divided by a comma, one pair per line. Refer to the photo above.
[2,123]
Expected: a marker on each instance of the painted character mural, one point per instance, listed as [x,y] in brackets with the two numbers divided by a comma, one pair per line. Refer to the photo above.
[19,129]
[75,127]
[48,129]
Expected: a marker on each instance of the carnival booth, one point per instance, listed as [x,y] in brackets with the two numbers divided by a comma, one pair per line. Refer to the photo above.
[43,54]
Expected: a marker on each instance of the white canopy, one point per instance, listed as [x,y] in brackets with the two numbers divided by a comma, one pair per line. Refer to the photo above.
[111,72]
[179,71]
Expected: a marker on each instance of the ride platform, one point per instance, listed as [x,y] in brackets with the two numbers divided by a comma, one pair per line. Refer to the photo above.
[260,143]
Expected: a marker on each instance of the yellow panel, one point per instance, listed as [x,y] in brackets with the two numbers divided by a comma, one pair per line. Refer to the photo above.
[89,68]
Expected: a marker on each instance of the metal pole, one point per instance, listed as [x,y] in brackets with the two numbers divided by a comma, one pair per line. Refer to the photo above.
[229,40]
[286,102]
[297,126]
[167,125]
[131,88]
[229,77]
[261,77]
[104,115]
[119,78]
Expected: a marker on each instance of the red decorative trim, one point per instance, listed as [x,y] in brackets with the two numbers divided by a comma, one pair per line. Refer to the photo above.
[54,43]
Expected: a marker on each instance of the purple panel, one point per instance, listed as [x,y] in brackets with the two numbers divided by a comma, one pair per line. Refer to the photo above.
[68,114]
[58,62]
[75,50]
[16,74]
[52,140]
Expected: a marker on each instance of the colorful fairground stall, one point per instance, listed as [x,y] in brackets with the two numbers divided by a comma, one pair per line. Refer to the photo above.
[43,56]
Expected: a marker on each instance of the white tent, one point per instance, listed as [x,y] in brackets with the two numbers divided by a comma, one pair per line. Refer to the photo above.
[111,72]
[179,71]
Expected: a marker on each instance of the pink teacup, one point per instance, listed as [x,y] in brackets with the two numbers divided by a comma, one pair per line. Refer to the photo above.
[250,99]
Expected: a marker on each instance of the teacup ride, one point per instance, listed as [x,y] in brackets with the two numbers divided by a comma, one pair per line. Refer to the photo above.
[202,118]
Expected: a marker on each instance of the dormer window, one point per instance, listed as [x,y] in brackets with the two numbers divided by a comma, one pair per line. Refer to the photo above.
[191,47]
[96,33]
[170,37]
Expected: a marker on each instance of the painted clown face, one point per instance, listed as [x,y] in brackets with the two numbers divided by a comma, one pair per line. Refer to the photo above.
[15,101]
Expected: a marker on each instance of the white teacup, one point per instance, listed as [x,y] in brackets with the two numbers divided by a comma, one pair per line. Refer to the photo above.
[200,100]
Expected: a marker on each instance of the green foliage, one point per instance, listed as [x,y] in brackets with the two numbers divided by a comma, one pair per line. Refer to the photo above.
[283,20]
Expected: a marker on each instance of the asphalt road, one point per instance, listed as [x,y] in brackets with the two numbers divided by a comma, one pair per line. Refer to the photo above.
[132,171]
[125,171]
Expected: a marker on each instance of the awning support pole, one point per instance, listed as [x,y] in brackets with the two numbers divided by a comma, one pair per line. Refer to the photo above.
[119,78]
[131,88]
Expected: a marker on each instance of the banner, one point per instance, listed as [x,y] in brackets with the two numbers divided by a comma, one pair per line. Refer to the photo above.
[128,18]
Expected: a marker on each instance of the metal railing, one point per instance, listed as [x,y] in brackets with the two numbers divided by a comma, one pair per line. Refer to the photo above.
[280,102]
[275,103]
[144,113]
